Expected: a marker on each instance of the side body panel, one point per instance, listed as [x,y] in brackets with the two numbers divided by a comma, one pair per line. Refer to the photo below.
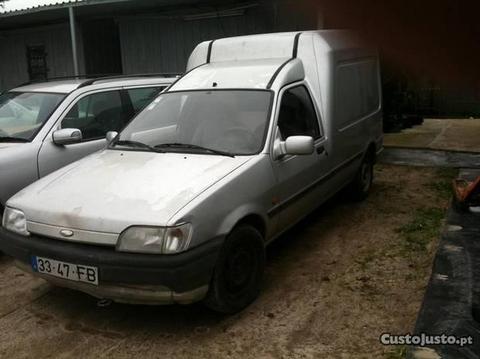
[18,168]
[347,143]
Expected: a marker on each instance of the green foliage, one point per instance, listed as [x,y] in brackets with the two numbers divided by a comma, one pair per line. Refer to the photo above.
[397,353]
[443,184]
[420,231]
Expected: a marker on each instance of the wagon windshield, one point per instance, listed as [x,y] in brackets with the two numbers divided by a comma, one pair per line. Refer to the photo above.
[22,114]
[229,121]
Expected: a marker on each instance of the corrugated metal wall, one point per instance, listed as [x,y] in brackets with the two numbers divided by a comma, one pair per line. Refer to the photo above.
[147,43]
[163,45]
[13,53]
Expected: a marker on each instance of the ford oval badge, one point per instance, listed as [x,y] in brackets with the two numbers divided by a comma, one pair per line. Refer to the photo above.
[66,233]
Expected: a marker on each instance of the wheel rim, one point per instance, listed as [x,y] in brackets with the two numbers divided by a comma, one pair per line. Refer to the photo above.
[240,269]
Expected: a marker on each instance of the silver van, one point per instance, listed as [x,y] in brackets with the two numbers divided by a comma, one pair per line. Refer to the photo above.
[180,206]
[45,126]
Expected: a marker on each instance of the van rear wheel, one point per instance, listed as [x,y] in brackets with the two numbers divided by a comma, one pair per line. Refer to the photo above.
[238,274]
[361,185]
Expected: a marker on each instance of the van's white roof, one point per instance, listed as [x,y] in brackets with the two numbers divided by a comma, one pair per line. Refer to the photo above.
[251,61]
[231,74]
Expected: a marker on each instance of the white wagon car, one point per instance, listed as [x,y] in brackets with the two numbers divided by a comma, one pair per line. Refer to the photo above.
[45,126]
[180,206]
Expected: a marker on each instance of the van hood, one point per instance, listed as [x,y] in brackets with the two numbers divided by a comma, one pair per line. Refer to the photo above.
[112,190]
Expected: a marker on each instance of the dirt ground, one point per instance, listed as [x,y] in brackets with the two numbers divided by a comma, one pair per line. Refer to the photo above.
[440,134]
[334,284]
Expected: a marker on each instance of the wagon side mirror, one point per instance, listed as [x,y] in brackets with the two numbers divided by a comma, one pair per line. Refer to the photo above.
[67,136]
[299,145]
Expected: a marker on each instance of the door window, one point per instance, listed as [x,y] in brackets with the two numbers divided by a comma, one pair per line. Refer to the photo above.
[97,114]
[141,97]
[297,115]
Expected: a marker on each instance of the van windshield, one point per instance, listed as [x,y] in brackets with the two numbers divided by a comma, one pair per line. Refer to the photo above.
[22,114]
[229,121]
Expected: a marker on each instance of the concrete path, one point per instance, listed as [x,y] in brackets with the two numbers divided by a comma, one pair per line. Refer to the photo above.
[430,158]
[444,134]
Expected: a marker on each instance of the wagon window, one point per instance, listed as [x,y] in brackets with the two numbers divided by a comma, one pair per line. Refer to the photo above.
[141,97]
[97,114]
[297,115]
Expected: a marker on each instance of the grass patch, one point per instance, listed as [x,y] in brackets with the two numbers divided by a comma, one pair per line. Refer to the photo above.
[442,186]
[398,353]
[424,228]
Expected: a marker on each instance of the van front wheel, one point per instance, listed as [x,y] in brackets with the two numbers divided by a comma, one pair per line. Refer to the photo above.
[238,274]
[360,187]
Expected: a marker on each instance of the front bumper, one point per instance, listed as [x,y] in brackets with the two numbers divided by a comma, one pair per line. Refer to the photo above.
[123,277]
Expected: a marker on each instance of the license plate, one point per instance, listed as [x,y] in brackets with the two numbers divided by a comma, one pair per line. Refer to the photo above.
[70,271]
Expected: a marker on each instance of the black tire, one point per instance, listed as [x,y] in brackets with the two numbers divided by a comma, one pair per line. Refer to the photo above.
[362,183]
[238,273]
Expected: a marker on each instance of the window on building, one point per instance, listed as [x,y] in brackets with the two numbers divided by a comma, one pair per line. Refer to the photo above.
[37,63]
[297,115]
[97,114]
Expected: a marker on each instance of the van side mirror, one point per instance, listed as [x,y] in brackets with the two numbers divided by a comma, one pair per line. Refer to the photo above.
[299,145]
[67,136]
[294,145]
[111,136]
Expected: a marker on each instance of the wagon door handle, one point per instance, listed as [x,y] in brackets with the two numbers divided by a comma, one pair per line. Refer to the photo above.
[321,150]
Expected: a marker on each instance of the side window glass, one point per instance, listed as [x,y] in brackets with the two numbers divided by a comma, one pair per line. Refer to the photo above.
[97,114]
[140,98]
[297,115]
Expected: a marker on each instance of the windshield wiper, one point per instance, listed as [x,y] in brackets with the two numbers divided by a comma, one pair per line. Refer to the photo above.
[194,147]
[12,139]
[137,144]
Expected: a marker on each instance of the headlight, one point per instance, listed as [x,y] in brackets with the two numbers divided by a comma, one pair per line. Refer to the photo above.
[166,240]
[14,220]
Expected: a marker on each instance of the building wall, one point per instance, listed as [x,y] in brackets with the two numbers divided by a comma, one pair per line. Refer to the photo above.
[13,53]
[161,44]
[147,43]
[164,44]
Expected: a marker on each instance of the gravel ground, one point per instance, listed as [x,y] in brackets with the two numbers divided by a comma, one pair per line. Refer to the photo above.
[334,284]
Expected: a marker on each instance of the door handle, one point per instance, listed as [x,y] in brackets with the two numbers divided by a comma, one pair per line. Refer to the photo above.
[321,150]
